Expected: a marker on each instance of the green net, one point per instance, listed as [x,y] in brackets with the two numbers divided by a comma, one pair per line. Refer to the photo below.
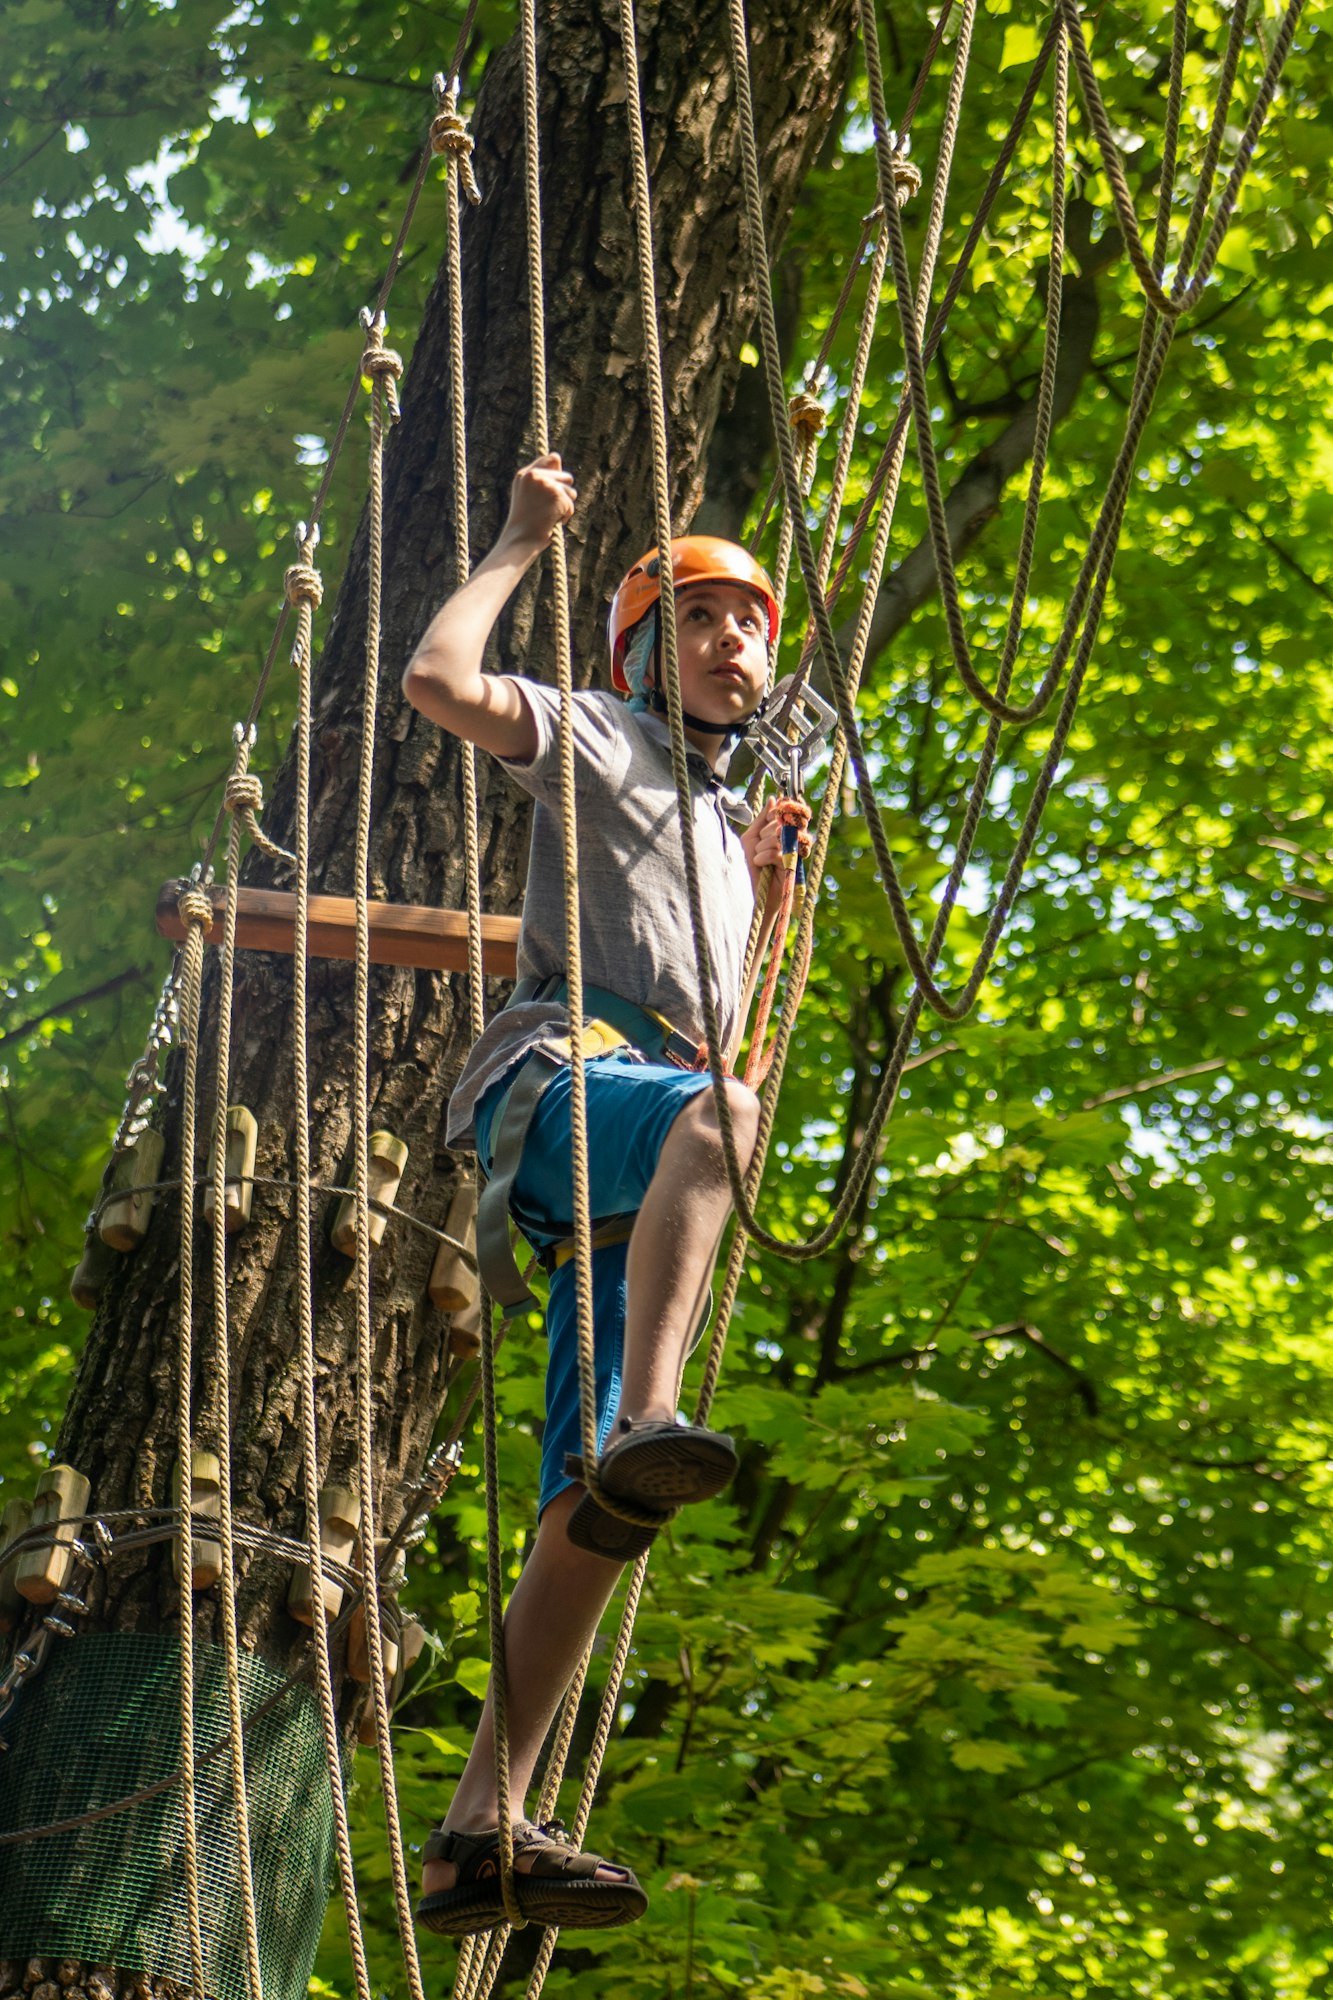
[101,1721]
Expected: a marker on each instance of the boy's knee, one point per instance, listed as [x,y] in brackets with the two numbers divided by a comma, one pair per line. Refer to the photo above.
[743,1106]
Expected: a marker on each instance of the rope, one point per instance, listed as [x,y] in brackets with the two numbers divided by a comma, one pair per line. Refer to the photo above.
[243,797]
[1095,576]
[221,1401]
[305,590]
[352,399]
[776,1061]
[383,367]
[197,910]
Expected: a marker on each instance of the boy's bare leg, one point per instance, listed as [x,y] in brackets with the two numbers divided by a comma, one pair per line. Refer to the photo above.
[556,1607]
[672,1250]
[559,1599]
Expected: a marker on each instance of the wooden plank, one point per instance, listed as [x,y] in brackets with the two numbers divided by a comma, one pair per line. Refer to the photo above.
[400,933]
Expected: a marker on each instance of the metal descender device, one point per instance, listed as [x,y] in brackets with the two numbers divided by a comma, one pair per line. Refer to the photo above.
[787,739]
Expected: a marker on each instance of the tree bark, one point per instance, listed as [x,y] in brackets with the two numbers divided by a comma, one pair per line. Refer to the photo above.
[119,1427]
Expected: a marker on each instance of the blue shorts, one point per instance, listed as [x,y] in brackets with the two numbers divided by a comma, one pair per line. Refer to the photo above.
[632,1105]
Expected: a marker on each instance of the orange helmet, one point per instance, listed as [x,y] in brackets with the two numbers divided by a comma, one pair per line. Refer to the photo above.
[694,559]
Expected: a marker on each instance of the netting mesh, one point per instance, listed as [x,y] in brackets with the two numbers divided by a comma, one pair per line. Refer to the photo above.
[102,1721]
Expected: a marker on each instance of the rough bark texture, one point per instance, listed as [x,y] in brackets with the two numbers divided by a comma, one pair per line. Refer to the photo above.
[119,1427]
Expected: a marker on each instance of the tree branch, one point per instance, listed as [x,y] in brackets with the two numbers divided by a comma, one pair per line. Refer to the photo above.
[134,976]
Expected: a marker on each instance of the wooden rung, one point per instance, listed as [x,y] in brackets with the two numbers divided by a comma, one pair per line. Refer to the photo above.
[339,1518]
[400,933]
[203,1498]
[15,1519]
[62,1495]
[452,1286]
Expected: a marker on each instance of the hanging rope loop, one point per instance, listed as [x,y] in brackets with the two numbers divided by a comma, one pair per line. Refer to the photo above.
[449,134]
[380,363]
[194,905]
[303,584]
[243,796]
[906,179]
[807,416]
[244,793]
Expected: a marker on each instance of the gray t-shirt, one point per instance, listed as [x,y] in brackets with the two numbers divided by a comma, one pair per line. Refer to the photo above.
[633,902]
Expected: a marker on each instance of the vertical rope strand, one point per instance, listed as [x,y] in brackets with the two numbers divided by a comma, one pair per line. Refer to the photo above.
[222,1394]
[568,800]
[383,366]
[305,588]
[197,909]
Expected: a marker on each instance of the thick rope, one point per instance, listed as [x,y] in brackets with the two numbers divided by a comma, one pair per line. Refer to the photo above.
[382,367]
[1097,571]
[741,1194]
[221,1408]
[243,797]
[305,590]
[775,1062]
[197,910]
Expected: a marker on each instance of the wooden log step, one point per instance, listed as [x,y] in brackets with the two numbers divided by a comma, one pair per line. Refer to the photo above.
[400,933]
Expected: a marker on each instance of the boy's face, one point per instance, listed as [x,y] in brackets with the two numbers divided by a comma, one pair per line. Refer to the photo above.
[722,631]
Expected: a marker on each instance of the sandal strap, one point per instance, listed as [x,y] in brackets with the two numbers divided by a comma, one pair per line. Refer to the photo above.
[552,1854]
[477,1855]
[470,1853]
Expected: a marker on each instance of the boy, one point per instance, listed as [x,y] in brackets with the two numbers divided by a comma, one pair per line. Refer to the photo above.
[655,1149]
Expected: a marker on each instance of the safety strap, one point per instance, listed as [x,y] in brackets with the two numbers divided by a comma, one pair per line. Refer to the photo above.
[644,1026]
[495,1253]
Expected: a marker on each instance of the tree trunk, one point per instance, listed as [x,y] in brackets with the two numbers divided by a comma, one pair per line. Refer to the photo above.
[119,1428]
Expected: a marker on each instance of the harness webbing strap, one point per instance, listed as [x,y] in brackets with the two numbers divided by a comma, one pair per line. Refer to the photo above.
[495,1253]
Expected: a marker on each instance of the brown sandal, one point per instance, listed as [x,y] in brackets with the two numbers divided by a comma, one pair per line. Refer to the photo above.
[560,1887]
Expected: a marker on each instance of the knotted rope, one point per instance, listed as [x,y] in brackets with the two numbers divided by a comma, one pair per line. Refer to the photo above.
[380,365]
[243,796]
[449,134]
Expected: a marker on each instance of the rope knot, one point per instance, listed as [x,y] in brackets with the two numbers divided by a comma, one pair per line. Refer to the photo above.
[377,361]
[449,134]
[807,415]
[244,792]
[906,179]
[304,585]
[194,905]
[383,366]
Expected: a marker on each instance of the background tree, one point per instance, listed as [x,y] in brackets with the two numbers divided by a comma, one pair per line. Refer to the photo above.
[1003,1666]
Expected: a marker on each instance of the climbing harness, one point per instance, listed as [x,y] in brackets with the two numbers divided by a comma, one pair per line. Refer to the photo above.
[615,1024]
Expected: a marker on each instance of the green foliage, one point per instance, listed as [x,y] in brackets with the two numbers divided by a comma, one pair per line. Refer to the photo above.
[1003,1669]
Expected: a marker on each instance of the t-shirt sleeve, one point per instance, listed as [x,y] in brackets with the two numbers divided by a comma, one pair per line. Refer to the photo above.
[601,753]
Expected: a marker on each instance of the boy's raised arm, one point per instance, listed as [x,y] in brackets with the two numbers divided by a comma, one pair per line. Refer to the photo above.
[444,677]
